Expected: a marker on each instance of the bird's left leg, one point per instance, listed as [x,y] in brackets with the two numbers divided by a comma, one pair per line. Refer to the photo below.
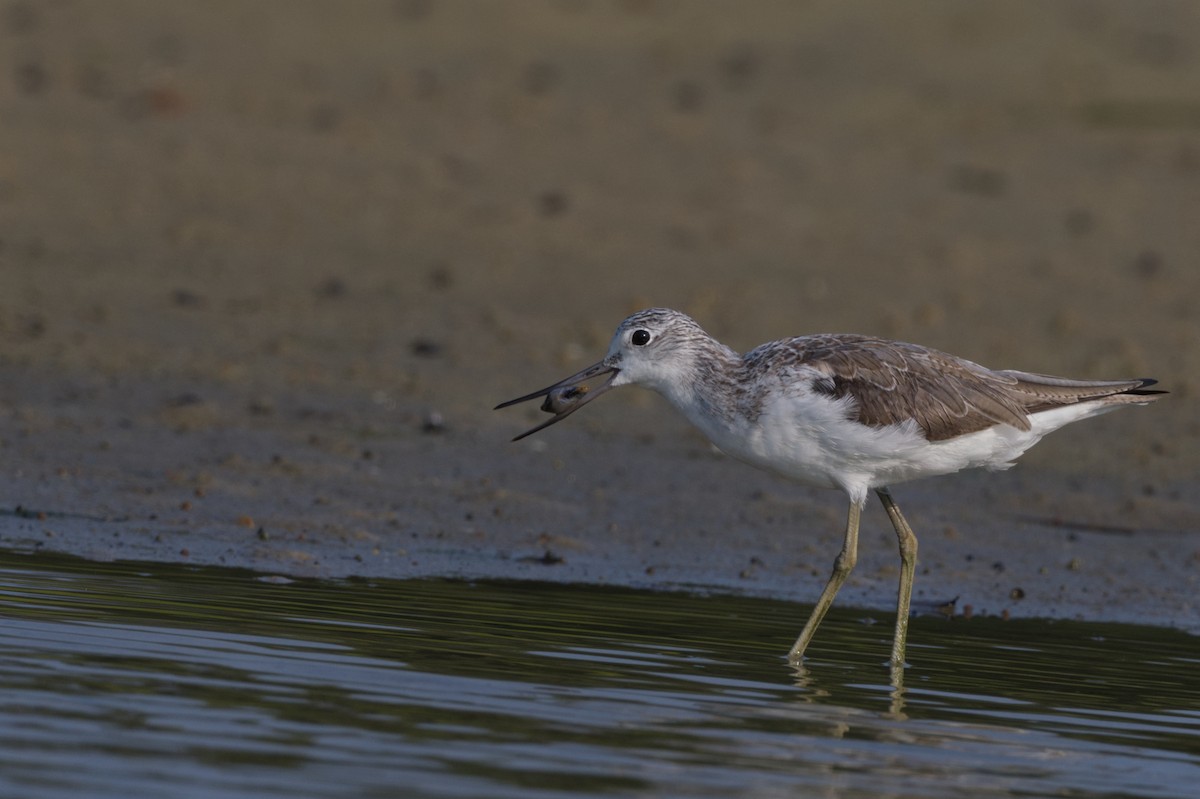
[908,570]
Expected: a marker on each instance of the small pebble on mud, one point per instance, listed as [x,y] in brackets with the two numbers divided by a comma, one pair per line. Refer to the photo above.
[331,288]
[441,277]
[425,348]
[185,298]
[553,203]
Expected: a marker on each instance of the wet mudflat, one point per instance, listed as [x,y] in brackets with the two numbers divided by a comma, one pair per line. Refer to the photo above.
[148,679]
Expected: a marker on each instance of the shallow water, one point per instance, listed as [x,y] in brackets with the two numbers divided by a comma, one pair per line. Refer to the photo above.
[149,680]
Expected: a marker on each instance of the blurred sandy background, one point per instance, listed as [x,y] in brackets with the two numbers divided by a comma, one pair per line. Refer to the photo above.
[265,268]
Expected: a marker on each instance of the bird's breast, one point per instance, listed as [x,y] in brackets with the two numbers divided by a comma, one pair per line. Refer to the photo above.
[794,436]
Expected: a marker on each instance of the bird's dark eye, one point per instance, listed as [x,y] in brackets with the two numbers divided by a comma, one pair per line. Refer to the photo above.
[640,338]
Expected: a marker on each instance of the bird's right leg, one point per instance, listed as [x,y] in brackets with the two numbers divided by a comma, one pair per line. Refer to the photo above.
[841,570]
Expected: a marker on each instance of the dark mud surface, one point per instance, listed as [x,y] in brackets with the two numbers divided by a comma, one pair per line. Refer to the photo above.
[265,269]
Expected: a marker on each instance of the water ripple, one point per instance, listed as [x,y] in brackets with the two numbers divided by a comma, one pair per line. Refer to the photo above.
[132,681]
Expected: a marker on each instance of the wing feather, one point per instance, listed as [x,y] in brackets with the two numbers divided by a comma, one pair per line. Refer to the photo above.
[891,382]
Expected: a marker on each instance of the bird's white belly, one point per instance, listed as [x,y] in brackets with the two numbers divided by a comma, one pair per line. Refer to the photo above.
[811,440]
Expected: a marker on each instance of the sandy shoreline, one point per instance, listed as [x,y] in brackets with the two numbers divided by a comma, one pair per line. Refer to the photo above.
[265,269]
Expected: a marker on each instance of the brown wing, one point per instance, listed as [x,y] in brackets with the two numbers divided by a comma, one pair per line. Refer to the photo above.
[891,382]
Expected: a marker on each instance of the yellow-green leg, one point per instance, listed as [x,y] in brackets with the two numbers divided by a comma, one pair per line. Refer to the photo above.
[908,570]
[841,570]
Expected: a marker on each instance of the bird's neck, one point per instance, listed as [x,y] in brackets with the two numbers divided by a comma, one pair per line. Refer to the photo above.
[705,389]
